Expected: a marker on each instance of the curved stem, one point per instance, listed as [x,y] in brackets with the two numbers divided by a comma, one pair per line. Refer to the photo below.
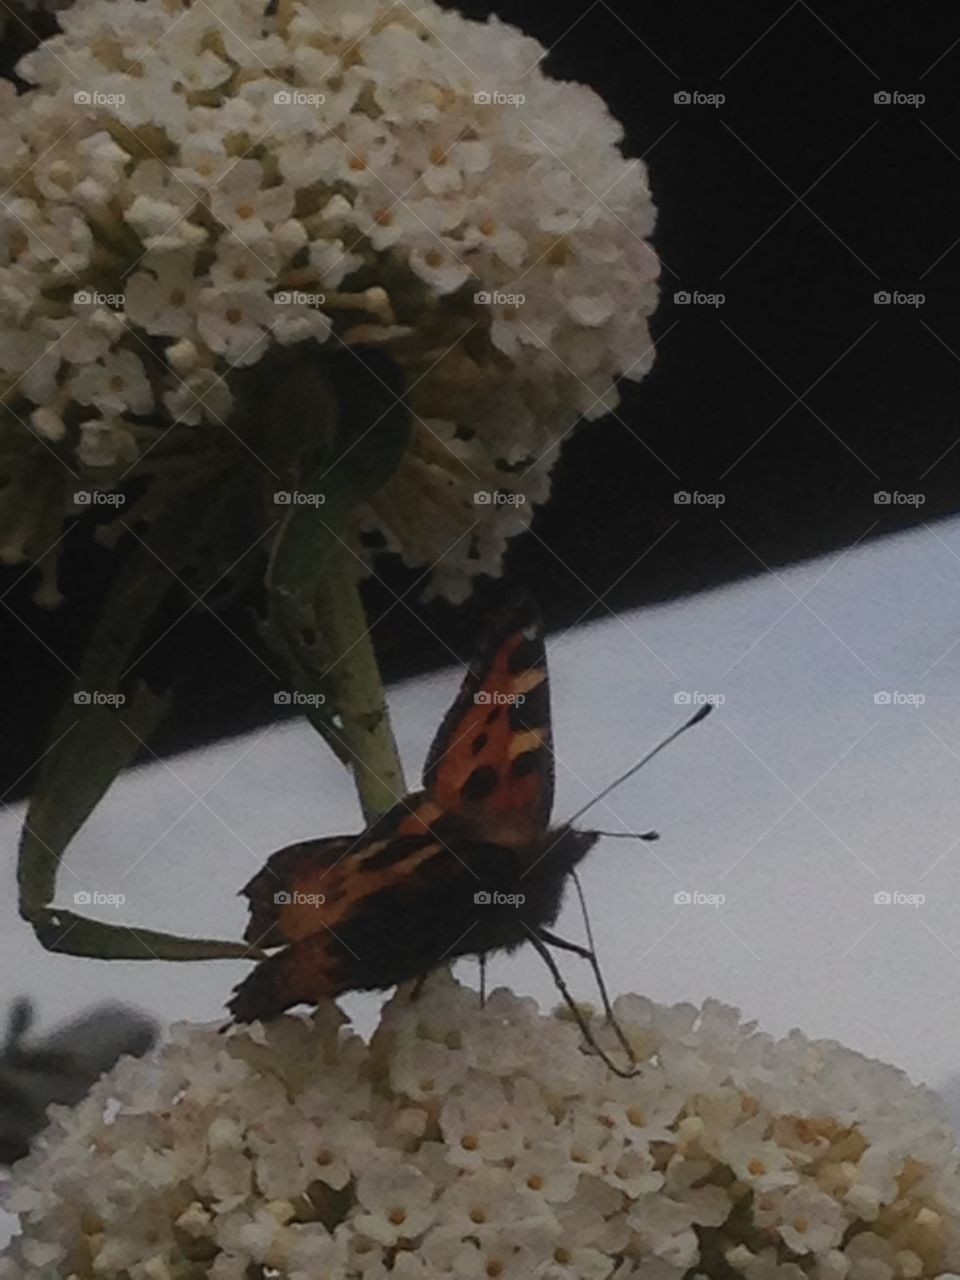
[365,730]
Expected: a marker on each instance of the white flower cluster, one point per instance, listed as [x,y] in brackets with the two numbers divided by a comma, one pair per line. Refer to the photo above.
[482,1142]
[188,185]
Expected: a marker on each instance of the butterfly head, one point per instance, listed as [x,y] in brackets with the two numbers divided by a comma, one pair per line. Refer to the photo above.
[567,846]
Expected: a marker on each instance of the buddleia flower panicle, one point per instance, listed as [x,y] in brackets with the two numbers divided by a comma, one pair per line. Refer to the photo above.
[190,189]
[475,1141]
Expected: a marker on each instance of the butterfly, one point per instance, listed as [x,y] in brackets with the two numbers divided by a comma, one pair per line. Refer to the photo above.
[468,865]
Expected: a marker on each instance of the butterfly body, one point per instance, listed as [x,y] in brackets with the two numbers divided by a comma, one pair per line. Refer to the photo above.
[467,866]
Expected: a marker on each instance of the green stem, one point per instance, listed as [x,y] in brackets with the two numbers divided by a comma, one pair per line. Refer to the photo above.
[365,728]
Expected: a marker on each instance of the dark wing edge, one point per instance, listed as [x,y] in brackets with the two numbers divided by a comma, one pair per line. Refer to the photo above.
[302,973]
[279,875]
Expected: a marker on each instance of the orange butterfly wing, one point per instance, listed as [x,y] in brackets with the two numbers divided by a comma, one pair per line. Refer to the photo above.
[492,758]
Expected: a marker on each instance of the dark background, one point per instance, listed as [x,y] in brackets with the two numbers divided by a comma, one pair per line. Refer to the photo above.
[798,198]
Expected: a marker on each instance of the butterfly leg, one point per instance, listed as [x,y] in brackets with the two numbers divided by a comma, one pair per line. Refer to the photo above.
[563,945]
[418,986]
[483,979]
[586,954]
[541,946]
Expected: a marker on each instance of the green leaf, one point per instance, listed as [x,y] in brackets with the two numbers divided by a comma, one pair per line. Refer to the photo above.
[91,745]
[75,935]
[99,731]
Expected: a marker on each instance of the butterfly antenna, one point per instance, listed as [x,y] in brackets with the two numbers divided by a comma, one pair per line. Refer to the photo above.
[700,714]
[629,835]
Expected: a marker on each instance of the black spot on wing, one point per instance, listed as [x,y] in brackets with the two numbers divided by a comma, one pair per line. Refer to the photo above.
[494,715]
[479,742]
[528,654]
[481,784]
[526,764]
[533,712]
[536,705]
